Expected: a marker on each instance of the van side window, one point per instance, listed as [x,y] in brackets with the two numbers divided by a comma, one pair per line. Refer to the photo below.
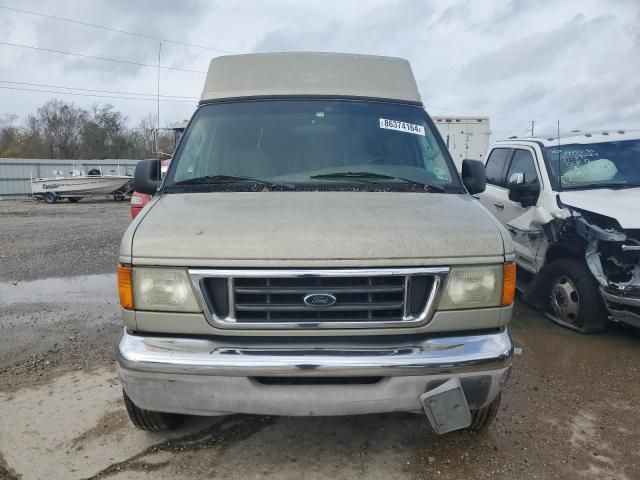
[523,162]
[496,164]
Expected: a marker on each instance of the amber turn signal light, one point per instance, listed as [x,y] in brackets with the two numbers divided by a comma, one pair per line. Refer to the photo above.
[125,286]
[508,283]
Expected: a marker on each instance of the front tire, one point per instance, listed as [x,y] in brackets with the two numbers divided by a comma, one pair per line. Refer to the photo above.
[573,297]
[151,421]
[483,417]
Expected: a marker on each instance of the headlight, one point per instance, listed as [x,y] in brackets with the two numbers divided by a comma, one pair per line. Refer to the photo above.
[163,289]
[473,287]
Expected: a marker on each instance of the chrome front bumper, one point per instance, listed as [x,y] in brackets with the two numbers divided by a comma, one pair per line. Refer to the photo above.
[314,377]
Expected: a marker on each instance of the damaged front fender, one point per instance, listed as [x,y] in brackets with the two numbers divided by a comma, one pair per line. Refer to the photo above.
[592,231]
[613,257]
[593,234]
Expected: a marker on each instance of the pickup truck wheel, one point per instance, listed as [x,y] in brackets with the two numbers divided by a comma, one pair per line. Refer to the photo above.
[151,421]
[574,300]
[483,417]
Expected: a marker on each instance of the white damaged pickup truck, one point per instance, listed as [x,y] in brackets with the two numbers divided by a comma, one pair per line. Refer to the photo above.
[571,204]
[312,250]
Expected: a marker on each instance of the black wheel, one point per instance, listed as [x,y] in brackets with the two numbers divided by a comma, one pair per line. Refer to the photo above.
[573,298]
[50,197]
[74,199]
[151,421]
[118,196]
[483,417]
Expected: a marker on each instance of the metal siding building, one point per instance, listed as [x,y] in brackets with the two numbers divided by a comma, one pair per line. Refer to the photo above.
[15,173]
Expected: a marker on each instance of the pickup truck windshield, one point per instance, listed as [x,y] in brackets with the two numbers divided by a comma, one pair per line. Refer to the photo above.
[594,165]
[298,143]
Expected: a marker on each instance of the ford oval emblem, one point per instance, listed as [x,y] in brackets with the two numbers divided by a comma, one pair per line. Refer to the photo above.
[319,300]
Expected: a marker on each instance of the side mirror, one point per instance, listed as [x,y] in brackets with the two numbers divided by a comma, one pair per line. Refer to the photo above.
[516,179]
[519,191]
[474,176]
[146,178]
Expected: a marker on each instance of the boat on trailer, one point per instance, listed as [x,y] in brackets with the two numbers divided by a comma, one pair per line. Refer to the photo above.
[78,185]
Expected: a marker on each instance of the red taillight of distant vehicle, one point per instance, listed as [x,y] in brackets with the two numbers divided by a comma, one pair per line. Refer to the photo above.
[138,201]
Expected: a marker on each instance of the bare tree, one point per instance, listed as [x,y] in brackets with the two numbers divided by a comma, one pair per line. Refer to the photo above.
[64,130]
[9,133]
[61,124]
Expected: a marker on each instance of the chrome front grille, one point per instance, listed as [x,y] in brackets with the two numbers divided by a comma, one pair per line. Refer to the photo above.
[358,298]
[282,299]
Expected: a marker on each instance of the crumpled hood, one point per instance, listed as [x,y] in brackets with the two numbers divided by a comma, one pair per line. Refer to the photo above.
[320,228]
[621,204]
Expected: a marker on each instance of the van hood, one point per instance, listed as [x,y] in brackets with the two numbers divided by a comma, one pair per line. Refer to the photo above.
[314,228]
[620,204]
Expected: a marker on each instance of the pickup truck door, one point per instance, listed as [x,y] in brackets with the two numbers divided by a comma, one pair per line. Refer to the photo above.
[496,195]
[527,236]
[515,217]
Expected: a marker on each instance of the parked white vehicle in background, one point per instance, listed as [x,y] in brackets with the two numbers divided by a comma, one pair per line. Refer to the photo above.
[572,207]
[465,137]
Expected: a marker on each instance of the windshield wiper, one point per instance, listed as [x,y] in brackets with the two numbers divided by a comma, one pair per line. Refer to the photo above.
[595,185]
[362,176]
[222,179]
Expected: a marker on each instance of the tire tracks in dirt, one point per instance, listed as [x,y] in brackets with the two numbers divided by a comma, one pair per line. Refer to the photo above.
[219,436]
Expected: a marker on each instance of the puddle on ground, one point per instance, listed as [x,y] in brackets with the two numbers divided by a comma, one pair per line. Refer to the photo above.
[81,289]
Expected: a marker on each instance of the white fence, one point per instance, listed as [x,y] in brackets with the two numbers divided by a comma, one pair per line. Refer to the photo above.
[16,173]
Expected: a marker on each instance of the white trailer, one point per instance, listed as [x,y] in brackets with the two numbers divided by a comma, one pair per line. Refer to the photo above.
[465,137]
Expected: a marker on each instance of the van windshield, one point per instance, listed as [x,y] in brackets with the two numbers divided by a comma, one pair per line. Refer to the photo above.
[304,143]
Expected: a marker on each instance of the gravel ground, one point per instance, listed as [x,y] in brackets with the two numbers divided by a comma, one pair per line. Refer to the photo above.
[568,412]
[39,240]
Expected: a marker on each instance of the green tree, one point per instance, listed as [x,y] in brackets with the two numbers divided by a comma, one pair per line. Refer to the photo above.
[104,134]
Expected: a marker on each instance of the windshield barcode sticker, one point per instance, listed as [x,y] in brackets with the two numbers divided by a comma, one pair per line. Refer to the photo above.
[402,126]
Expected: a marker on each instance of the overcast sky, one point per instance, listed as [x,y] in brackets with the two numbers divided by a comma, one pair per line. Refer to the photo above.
[513,60]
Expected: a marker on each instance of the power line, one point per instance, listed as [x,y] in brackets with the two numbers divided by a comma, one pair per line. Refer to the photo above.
[93,95]
[92,57]
[117,30]
[95,90]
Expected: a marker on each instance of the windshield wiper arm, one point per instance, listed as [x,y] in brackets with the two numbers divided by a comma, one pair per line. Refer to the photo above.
[365,175]
[221,179]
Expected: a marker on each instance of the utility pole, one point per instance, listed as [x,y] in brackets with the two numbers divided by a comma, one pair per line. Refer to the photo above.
[158,102]
[533,122]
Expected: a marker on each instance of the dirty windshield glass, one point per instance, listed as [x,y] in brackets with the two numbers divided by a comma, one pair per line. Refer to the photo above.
[303,142]
[607,164]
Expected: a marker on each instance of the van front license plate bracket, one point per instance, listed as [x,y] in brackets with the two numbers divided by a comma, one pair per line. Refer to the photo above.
[446,407]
